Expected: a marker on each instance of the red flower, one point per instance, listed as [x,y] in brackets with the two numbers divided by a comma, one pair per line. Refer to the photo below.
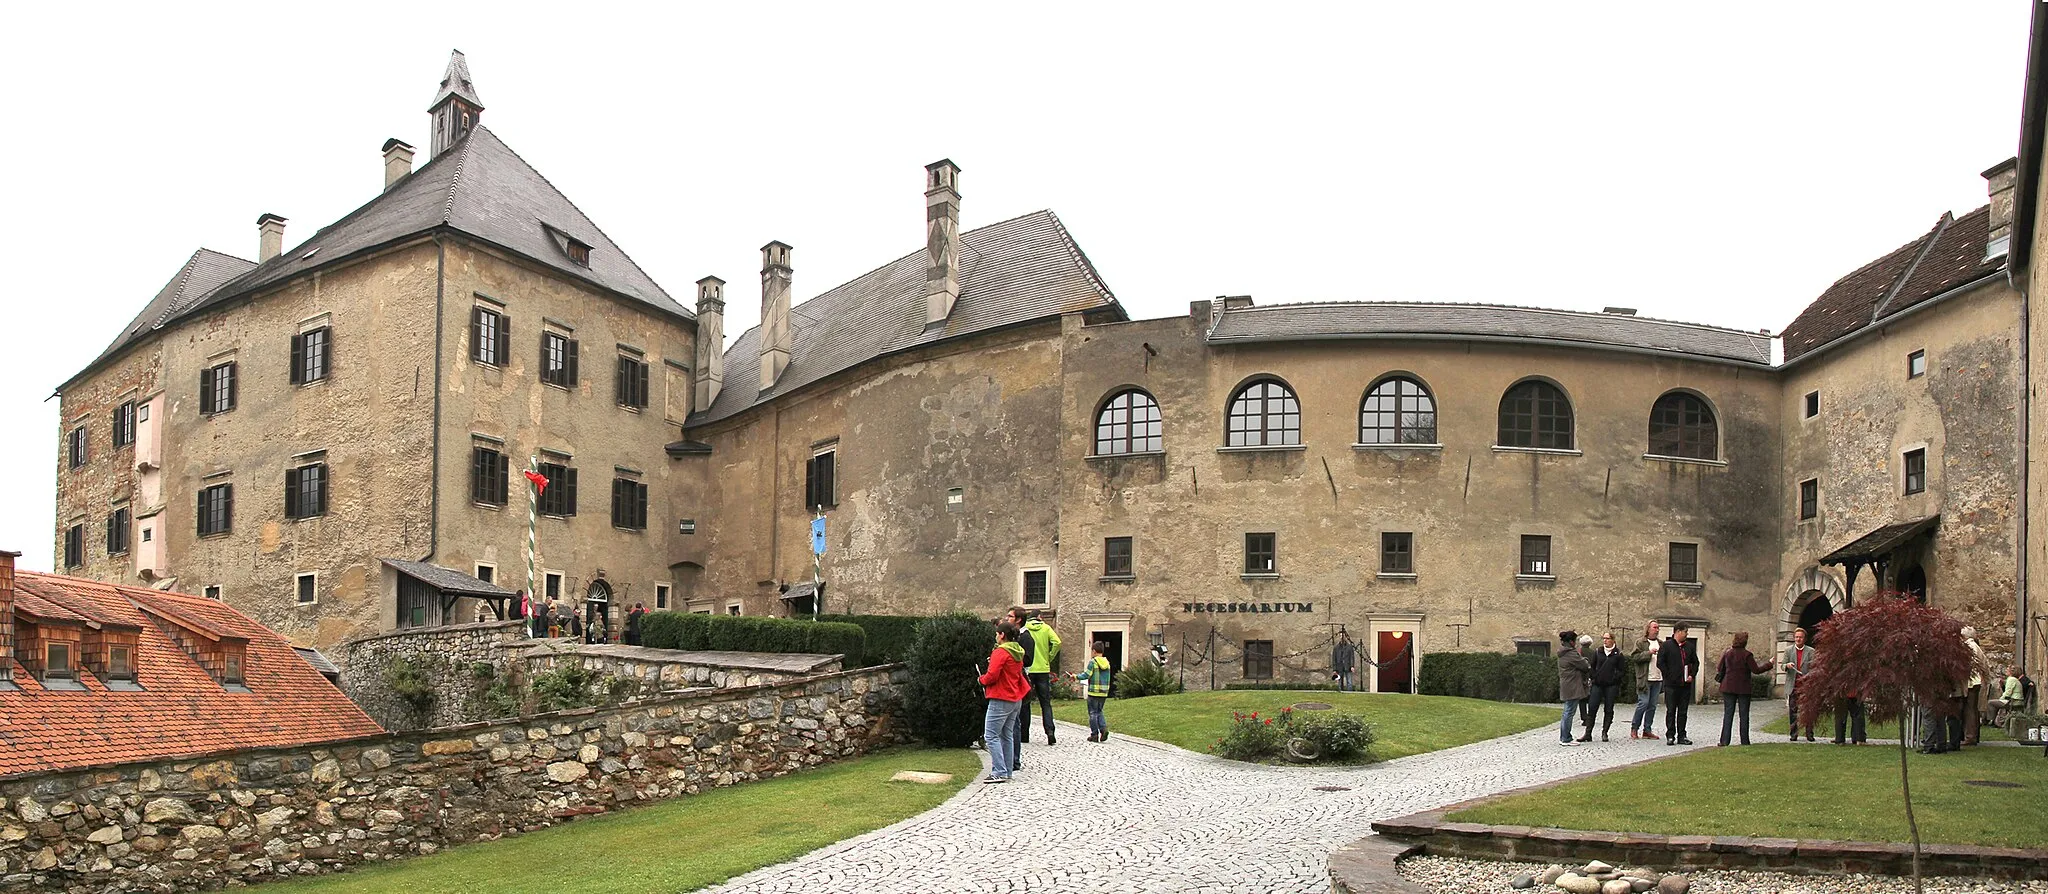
[1269,721]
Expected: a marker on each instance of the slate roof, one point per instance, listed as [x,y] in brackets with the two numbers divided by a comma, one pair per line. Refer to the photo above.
[456,80]
[180,709]
[203,274]
[1022,269]
[1949,255]
[1340,320]
[448,580]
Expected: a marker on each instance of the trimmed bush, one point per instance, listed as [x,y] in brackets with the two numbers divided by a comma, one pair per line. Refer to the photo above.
[675,630]
[736,633]
[835,638]
[1489,675]
[943,700]
[889,636]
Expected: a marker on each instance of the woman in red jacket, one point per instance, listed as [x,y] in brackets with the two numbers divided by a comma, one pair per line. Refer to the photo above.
[1004,682]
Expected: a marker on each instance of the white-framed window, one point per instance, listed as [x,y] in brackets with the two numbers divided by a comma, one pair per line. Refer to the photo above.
[1034,585]
[551,584]
[732,608]
[307,585]
[212,591]
[487,572]
[661,595]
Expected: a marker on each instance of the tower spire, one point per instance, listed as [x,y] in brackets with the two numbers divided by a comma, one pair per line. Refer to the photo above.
[456,107]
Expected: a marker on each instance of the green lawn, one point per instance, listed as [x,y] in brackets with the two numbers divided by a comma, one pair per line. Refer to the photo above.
[1801,791]
[679,845]
[1824,729]
[1404,724]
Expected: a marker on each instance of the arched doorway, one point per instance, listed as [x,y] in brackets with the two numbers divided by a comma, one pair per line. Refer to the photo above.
[1816,608]
[1913,582]
[597,605]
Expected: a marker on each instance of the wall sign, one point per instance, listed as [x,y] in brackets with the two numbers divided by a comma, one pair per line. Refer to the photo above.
[1247,607]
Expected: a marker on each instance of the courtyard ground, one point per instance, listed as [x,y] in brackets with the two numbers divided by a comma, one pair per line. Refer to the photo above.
[1404,724]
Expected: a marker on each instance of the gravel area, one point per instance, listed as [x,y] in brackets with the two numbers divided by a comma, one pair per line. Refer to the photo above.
[1451,875]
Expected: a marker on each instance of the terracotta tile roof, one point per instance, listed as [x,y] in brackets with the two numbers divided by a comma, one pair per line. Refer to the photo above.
[181,710]
[1949,255]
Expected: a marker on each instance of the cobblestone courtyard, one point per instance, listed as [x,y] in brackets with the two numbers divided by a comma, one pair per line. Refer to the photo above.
[1133,816]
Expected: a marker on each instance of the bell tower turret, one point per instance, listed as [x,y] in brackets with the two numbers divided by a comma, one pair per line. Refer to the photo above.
[456,107]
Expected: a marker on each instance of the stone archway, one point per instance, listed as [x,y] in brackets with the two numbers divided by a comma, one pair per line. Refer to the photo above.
[1805,587]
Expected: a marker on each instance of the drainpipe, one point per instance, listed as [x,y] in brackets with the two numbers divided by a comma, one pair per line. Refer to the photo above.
[2019,633]
[434,452]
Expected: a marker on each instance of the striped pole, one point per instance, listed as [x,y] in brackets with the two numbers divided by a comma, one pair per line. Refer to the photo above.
[532,513]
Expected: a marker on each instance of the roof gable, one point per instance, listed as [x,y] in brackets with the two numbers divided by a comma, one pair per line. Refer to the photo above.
[1946,256]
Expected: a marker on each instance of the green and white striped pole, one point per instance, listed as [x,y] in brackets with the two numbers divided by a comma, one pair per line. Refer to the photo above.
[532,514]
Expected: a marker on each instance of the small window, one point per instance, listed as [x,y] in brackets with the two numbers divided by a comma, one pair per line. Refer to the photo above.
[1536,556]
[309,588]
[632,384]
[579,253]
[217,388]
[1916,471]
[732,608]
[305,491]
[74,546]
[661,595]
[1260,553]
[629,504]
[212,592]
[487,476]
[148,534]
[1258,659]
[118,525]
[1809,498]
[1916,364]
[58,662]
[216,509]
[1397,411]
[1116,557]
[1128,423]
[142,413]
[1264,414]
[120,662]
[124,425]
[1523,647]
[310,356]
[1535,414]
[231,666]
[1397,552]
[820,488]
[552,584]
[1036,586]
[487,573]
[559,499]
[1685,563]
[488,334]
[557,359]
[77,445]
[1812,404]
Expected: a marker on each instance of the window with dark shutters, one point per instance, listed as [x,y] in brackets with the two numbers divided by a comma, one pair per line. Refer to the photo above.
[78,446]
[559,499]
[632,389]
[74,546]
[124,425]
[117,532]
[557,359]
[488,332]
[819,488]
[310,356]
[487,476]
[305,491]
[629,504]
[217,389]
[216,509]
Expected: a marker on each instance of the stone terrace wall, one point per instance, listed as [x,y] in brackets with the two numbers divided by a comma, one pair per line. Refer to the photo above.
[255,815]
[661,670]
[445,653]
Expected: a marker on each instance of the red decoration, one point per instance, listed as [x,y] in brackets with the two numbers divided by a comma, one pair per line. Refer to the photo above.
[540,482]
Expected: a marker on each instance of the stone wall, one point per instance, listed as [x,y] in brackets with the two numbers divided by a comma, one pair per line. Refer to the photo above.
[253,815]
[447,654]
[665,670]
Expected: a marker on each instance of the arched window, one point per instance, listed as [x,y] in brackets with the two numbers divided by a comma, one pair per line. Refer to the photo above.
[1683,425]
[1398,410]
[1264,414]
[1128,423]
[1535,414]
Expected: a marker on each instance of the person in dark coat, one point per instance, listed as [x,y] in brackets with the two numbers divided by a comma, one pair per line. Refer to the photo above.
[1679,660]
[1343,659]
[1609,664]
[1573,672]
[1736,668]
[633,619]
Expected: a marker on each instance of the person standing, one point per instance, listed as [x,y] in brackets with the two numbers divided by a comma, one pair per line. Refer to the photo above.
[1649,681]
[1572,671]
[1098,677]
[1973,699]
[1608,666]
[1018,617]
[1679,658]
[1799,661]
[1734,674]
[1006,688]
[1343,658]
[633,619]
[1045,655]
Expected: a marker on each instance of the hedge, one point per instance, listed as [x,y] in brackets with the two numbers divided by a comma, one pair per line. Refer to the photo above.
[739,633]
[889,636]
[1489,675]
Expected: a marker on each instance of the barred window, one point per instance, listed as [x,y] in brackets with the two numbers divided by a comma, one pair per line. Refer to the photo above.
[632,385]
[1258,659]
[1264,414]
[1685,563]
[217,389]
[1128,423]
[1398,410]
[305,491]
[1683,425]
[310,355]
[488,334]
[124,425]
[629,504]
[560,497]
[1037,586]
[487,476]
[557,359]
[216,509]
[1535,414]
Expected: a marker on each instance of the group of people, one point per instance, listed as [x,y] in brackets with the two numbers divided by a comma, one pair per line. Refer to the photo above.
[1020,669]
[1589,680]
[556,619]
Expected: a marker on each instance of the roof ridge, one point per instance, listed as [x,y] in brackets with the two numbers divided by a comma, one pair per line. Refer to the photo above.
[1080,256]
[184,279]
[896,260]
[580,212]
[1927,244]
[1548,310]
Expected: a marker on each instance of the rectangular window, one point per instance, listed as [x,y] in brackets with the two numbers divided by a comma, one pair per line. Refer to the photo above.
[217,389]
[305,491]
[632,386]
[1529,648]
[1037,589]
[1258,659]
[231,666]
[820,491]
[488,331]
[1916,471]
[1809,498]
[732,608]
[1812,404]
[74,546]
[77,445]
[1685,563]
[216,509]
[309,588]
[117,532]
[487,476]
[1261,553]
[1397,552]
[1916,364]
[559,499]
[629,504]
[557,359]
[661,595]
[310,358]
[124,425]
[120,662]
[551,584]
[57,661]
[1116,557]
[487,573]
[1536,556]
[211,592]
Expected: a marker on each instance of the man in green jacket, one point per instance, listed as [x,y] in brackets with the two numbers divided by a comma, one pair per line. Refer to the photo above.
[1045,655]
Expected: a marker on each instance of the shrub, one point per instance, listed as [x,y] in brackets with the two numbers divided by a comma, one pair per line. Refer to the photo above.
[676,630]
[569,685]
[836,638]
[888,636]
[1144,677]
[1251,738]
[943,700]
[1489,675]
[490,695]
[1337,735]
[1065,688]
[411,683]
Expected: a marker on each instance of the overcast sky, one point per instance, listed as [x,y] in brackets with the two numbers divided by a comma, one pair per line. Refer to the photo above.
[1719,164]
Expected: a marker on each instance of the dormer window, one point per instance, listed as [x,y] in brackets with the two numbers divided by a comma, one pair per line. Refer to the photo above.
[120,662]
[579,253]
[231,667]
[58,662]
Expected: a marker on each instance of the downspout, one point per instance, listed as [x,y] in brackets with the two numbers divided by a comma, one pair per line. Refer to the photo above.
[434,470]
[2019,633]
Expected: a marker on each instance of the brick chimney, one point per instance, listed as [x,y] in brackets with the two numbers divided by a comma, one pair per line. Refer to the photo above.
[7,615]
[1998,181]
[941,239]
[710,340]
[775,282]
[397,161]
[270,237]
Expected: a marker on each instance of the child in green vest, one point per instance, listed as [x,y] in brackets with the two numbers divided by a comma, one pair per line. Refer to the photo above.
[1097,677]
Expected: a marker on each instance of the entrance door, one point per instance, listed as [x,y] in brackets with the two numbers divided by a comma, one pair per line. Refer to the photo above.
[1114,640]
[1816,610]
[597,605]
[1394,651]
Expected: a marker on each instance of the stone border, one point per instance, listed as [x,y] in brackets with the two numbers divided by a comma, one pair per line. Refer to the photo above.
[1369,866]
[1429,831]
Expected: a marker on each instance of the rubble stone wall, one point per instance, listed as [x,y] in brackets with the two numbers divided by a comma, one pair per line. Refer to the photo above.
[447,655]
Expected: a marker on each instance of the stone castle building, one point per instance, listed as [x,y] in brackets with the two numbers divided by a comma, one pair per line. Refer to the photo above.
[981,424]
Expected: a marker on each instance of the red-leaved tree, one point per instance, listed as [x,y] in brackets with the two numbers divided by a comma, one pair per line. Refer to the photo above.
[1891,653]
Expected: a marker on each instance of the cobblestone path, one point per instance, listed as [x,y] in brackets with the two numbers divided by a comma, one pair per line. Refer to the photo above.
[1133,816]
